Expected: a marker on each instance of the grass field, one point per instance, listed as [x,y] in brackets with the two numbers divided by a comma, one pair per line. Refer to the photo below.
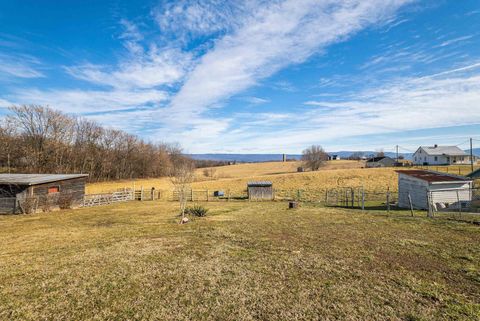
[245,261]
[283,175]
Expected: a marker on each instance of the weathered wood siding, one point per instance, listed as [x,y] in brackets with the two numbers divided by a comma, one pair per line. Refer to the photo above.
[260,193]
[74,188]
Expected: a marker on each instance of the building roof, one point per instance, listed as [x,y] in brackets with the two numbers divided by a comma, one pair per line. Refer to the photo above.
[35,179]
[377,159]
[475,174]
[259,184]
[434,177]
[443,150]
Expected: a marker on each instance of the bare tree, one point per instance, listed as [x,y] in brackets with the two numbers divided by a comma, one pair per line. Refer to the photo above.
[379,153]
[314,157]
[37,139]
[182,175]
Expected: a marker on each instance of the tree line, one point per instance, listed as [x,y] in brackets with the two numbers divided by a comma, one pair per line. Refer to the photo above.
[37,139]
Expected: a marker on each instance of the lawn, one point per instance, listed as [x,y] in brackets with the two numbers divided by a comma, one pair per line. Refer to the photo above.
[244,261]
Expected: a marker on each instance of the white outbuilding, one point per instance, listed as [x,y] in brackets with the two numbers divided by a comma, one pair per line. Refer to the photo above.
[441,190]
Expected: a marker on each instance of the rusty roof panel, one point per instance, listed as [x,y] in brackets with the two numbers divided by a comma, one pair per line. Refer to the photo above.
[434,177]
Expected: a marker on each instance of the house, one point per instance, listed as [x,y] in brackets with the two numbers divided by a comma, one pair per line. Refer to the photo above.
[260,190]
[380,161]
[333,157]
[440,189]
[440,155]
[27,193]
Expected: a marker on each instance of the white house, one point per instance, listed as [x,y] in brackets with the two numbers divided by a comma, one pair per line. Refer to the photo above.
[440,155]
[440,189]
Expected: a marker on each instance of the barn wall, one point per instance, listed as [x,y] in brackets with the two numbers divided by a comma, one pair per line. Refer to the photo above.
[417,189]
[447,193]
[74,188]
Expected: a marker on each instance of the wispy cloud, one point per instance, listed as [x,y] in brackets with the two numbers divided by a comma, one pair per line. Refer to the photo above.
[19,66]
[279,34]
[455,40]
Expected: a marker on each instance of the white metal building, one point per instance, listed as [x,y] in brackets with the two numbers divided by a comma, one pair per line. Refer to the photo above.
[440,155]
[440,189]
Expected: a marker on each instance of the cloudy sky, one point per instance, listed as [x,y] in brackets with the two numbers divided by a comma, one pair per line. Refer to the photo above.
[252,76]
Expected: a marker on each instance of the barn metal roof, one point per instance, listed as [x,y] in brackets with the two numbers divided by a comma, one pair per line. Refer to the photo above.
[443,150]
[35,179]
[434,177]
[259,184]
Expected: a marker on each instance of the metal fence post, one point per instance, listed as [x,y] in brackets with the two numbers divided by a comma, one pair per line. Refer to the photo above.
[363,198]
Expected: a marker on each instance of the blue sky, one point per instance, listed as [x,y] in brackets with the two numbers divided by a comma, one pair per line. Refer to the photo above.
[253,76]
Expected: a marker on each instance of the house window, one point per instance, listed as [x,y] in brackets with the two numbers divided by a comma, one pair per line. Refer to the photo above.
[436,158]
[53,189]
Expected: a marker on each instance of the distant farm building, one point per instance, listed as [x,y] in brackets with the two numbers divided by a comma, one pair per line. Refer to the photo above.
[260,191]
[440,189]
[380,161]
[440,155]
[333,157]
[39,191]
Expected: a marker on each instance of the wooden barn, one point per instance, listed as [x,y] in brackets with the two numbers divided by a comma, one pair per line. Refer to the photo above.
[26,193]
[440,189]
[258,191]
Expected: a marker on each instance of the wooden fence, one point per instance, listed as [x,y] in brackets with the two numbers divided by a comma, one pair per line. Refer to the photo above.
[105,199]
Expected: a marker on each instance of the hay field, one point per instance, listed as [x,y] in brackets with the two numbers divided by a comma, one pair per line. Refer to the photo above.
[313,183]
[245,261]
[226,176]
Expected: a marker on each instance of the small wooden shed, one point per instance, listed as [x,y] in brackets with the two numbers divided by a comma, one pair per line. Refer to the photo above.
[41,191]
[439,189]
[262,190]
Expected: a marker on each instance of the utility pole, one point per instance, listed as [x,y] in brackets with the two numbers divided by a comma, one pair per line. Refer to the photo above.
[471,153]
[8,162]
[397,152]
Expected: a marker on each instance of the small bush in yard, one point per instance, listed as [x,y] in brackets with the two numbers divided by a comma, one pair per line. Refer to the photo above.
[196,210]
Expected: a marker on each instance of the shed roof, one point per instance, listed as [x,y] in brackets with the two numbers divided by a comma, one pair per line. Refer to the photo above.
[443,150]
[259,184]
[35,179]
[434,177]
[475,174]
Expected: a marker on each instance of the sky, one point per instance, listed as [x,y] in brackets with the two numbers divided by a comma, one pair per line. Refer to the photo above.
[252,76]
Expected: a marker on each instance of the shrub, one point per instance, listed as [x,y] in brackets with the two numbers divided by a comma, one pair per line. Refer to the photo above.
[196,210]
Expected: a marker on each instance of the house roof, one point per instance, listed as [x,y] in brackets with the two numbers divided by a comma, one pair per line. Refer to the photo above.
[443,150]
[434,177]
[35,179]
[259,184]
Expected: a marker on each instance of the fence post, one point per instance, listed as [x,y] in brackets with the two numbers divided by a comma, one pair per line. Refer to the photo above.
[207,195]
[353,197]
[141,193]
[191,194]
[326,197]
[429,202]
[388,200]
[458,202]
[363,198]
[410,202]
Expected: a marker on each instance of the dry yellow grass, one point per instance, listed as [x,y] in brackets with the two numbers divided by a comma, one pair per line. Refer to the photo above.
[244,261]
[226,177]
[313,183]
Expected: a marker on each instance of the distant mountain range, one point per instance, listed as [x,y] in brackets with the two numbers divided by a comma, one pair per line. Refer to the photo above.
[256,158]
